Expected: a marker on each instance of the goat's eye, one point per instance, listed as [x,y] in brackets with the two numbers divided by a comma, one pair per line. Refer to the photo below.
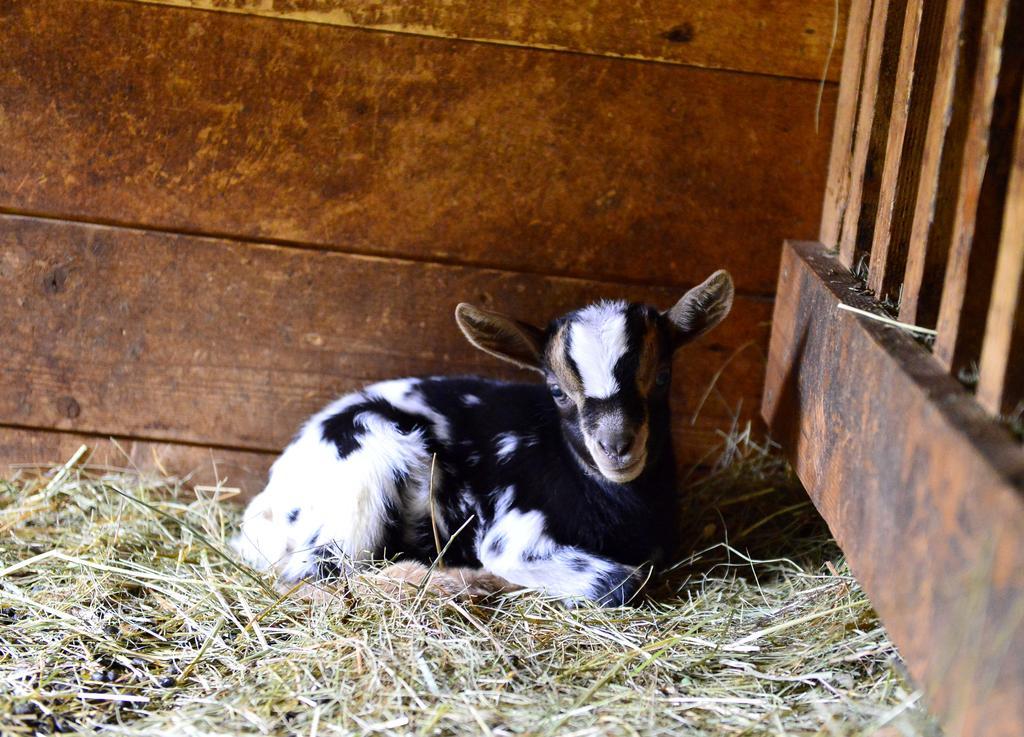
[556,391]
[663,376]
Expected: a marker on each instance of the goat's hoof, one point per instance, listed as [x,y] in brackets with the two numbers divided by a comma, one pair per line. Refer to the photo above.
[618,588]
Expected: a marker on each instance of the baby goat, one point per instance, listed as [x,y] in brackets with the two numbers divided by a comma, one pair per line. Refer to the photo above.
[567,486]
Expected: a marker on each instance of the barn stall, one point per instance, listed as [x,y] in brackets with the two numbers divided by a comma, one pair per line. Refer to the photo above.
[217,216]
[215,222]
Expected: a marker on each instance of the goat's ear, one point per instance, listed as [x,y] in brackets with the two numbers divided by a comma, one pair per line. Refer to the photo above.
[510,340]
[702,308]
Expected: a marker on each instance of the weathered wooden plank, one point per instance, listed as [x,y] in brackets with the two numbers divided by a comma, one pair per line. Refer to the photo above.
[915,78]
[193,464]
[938,187]
[838,185]
[178,338]
[403,146]
[995,104]
[871,132]
[790,38]
[1001,375]
[921,489]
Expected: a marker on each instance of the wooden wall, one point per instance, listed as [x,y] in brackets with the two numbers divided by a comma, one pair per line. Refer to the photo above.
[217,214]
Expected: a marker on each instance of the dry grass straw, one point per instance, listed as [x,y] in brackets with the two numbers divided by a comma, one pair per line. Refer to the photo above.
[122,611]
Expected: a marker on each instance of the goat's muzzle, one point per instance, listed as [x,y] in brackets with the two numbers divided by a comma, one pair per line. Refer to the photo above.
[619,451]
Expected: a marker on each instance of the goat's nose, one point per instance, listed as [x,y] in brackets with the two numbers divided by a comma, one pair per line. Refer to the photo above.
[617,444]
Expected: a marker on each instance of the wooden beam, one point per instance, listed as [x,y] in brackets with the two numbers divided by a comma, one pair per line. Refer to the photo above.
[181,339]
[922,490]
[1001,374]
[915,78]
[938,187]
[995,104]
[838,185]
[792,40]
[871,133]
[395,145]
[28,449]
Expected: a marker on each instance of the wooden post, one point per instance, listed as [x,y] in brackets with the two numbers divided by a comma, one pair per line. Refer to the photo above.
[1001,380]
[871,134]
[915,77]
[932,228]
[978,219]
[838,186]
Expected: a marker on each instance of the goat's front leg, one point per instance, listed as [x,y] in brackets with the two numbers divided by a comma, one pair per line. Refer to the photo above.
[517,550]
[610,583]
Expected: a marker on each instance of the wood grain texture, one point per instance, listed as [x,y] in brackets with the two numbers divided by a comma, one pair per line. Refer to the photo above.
[176,338]
[1001,368]
[412,147]
[837,187]
[988,151]
[871,131]
[938,186]
[908,123]
[787,37]
[26,450]
[923,491]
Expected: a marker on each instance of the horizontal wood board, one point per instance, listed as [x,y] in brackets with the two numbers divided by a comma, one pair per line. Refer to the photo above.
[27,451]
[170,337]
[923,491]
[788,37]
[397,145]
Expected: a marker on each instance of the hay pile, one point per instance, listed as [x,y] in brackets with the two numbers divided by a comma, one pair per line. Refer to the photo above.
[121,611]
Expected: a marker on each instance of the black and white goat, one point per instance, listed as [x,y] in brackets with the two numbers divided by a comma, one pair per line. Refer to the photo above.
[567,486]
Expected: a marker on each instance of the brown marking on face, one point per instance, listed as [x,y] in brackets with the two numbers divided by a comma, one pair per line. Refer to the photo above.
[647,370]
[650,359]
[559,363]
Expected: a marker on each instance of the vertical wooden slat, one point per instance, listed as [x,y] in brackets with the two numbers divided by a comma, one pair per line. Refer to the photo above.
[939,184]
[837,187]
[995,102]
[915,78]
[1001,381]
[871,134]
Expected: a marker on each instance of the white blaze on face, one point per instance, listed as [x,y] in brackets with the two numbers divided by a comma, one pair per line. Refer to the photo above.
[597,340]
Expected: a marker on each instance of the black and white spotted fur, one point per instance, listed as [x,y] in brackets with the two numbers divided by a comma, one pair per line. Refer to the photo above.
[568,486]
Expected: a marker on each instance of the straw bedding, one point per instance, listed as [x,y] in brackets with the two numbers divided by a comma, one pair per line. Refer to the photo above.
[123,611]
